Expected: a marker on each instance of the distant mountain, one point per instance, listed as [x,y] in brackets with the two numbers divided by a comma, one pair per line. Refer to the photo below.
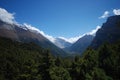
[22,34]
[80,46]
[109,32]
[62,43]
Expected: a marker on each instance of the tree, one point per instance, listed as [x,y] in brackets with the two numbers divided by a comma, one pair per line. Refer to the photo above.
[59,73]
[58,62]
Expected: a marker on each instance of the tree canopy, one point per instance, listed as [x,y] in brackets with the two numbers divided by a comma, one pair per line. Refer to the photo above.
[27,61]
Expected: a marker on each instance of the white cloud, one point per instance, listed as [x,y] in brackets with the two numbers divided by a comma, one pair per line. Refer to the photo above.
[106,14]
[74,39]
[6,16]
[35,30]
[71,40]
[116,11]
[93,32]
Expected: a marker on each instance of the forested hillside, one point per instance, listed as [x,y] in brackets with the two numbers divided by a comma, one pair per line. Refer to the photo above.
[27,61]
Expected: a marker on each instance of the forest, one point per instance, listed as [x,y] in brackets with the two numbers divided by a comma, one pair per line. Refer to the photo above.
[28,61]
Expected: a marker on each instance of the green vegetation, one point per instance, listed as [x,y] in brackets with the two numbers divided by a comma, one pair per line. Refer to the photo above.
[27,61]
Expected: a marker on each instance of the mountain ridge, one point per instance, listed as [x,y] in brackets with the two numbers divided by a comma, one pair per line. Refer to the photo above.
[109,32]
[19,33]
[80,45]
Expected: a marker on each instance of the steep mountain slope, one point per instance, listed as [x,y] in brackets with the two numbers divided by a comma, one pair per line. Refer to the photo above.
[109,32]
[81,44]
[7,30]
[23,34]
[62,43]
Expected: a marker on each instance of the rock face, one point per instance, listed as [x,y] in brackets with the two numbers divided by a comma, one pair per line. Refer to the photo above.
[81,45]
[109,32]
[23,34]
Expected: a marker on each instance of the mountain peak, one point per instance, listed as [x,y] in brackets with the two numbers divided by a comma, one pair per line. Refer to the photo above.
[113,18]
[81,45]
[109,32]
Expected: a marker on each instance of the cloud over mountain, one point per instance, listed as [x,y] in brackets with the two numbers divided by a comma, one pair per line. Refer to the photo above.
[35,30]
[106,14]
[71,40]
[116,11]
[74,39]
[9,18]
[93,32]
[6,16]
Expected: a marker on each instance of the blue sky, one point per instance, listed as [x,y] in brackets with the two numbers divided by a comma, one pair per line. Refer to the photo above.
[66,18]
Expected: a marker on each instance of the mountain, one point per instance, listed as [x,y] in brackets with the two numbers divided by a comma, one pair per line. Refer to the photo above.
[109,32]
[22,34]
[8,31]
[81,45]
[62,43]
